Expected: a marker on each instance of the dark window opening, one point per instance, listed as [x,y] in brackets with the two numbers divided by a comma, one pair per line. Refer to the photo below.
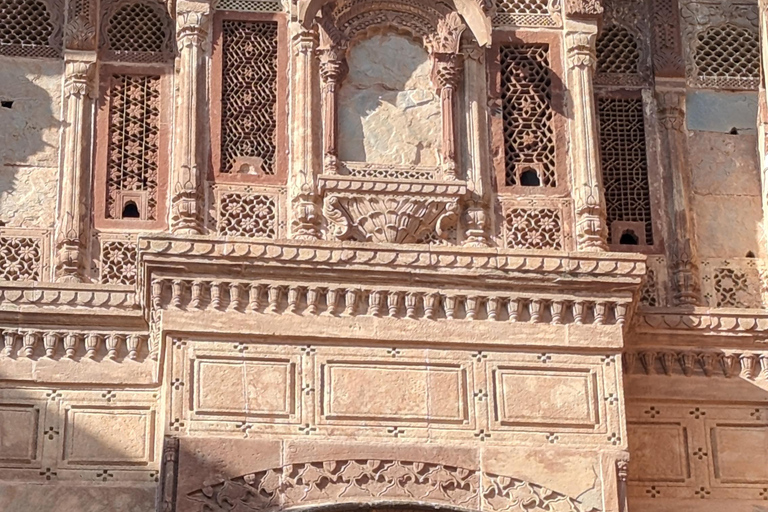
[131,211]
[734,131]
[6,104]
[529,178]
[629,238]
[750,254]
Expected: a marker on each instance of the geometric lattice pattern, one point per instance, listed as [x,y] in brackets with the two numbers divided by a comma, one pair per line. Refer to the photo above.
[732,289]
[249,215]
[523,12]
[249,93]
[140,32]
[533,228]
[118,262]
[20,258]
[625,163]
[527,113]
[28,29]
[617,51]
[249,6]
[649,293]
[134,129]
[727,56]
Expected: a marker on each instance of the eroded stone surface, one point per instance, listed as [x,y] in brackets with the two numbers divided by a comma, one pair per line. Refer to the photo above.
[29,141]
[388,110]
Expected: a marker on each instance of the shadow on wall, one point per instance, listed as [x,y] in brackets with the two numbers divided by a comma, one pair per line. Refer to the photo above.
[29,131]
[389,112]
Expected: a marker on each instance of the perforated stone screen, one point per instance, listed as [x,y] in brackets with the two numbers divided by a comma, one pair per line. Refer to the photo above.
[140,32]
[727,56]
[617,51]
[527,114]
[625,163]
[30,28]
[133,151]
[249,94]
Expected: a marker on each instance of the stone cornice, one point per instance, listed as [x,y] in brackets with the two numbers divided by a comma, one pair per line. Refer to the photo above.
[702,321]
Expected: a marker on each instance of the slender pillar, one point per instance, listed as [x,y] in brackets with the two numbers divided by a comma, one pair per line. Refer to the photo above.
[190,151]
[448,74]
[478,163]
[762,121]
[591,230]
[333,69]
[305,136]
[676,167]
[73,207]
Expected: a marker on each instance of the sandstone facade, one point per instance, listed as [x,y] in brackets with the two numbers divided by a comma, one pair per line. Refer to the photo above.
[383,254]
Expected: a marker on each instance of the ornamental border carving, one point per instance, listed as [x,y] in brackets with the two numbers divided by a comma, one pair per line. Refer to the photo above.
[372,481]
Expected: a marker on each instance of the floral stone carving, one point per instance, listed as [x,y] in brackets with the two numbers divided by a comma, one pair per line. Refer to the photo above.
[385,480]
[390,211]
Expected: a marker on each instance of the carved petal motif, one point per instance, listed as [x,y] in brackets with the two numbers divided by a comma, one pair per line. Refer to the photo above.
[389,219]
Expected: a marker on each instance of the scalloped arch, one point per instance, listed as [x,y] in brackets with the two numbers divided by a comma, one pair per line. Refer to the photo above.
[470,10]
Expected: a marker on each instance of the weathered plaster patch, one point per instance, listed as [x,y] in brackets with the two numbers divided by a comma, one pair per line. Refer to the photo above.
[389,112]
[721,111]
[29,141]
[724,164]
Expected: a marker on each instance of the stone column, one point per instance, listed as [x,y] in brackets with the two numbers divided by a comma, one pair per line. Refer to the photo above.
[190,151]
[762,121]
[591,230]
[478,163]
[305,161]
[74,206]
[447,74]
[676,168]
[333,69]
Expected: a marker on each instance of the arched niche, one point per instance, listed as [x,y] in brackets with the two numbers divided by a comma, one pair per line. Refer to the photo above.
[373,485]
[388,109]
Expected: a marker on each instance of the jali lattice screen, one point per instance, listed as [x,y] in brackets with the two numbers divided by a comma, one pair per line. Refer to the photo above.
[133,150]
[526,100]
[625,162]
[249,94]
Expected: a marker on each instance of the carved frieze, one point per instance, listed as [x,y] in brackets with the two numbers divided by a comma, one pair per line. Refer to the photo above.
[370,481]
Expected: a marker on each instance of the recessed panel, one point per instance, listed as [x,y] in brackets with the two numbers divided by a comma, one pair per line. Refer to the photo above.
[659,452]
[740,453]
[18,433]
[109,436]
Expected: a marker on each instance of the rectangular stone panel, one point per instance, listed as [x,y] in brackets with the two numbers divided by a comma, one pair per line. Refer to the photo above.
[556,397]
[109,436]
[739,453]
[659,452]
[18,433]
[408,392]
[261,387]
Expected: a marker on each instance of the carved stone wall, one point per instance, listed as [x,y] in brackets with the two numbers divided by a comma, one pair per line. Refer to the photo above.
[382,255]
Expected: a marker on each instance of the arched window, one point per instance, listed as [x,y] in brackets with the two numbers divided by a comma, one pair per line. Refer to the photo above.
[617,51]
[727,56]
[30,28]
[138,32]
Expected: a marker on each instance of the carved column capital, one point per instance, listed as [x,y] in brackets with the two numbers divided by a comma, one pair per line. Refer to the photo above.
[446,70]
[333,64]
[580,49]
[305,41]
[671,112]
[79,75]
[192,28]
[447,37]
